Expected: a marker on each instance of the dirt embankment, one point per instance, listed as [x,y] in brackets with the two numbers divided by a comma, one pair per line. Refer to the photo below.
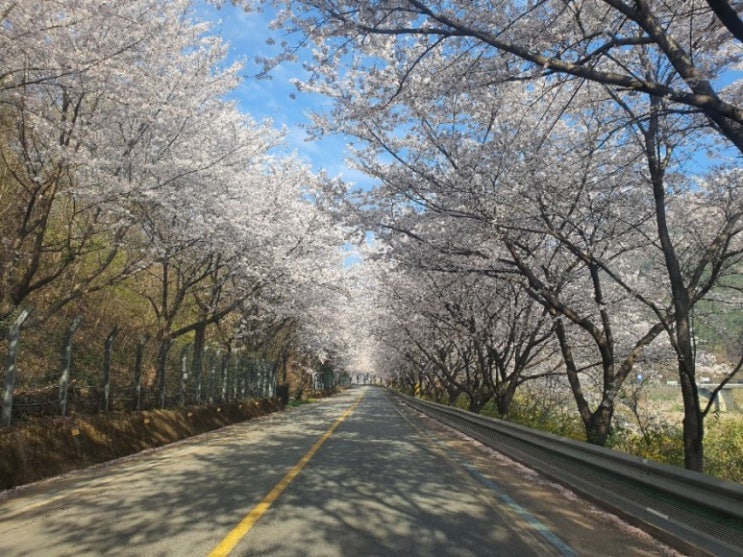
[45,447]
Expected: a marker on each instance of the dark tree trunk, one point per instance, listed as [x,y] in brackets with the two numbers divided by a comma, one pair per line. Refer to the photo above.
[684,344]
[504,398]
[598,425]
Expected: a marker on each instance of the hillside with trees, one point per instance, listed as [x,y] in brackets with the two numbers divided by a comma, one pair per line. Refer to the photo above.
[148,226]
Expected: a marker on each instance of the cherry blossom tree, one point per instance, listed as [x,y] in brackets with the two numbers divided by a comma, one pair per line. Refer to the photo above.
[468,335]
[391,65]
[96,104]
[123,163]
[449,205]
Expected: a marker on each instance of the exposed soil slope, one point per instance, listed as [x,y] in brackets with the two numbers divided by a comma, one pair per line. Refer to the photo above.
[45,447]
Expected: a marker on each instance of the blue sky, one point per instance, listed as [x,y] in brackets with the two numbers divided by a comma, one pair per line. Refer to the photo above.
[277,98]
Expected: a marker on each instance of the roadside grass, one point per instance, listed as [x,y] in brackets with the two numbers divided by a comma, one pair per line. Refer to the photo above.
[294,402]
[723,447]
[660,440]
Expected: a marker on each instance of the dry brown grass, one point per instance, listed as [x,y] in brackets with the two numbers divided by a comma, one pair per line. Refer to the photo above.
[47,446]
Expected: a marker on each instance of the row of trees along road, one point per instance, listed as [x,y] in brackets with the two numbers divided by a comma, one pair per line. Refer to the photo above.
[576,155]
[126,174]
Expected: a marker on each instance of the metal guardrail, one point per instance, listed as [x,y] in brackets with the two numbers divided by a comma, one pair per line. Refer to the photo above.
[697,514]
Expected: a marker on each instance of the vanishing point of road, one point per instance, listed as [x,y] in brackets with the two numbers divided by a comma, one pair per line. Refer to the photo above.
[357,474]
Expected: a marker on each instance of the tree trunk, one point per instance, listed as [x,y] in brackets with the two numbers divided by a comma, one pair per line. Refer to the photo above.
[693,419]
[478,400]
[598,426]
[504,398]
[453,392]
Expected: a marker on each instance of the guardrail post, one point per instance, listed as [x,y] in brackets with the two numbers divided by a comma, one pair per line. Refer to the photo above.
[64,381]
[14,336]
[107,349]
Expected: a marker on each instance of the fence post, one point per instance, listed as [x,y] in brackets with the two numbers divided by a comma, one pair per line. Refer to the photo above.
[257,374]
[107,348]
[14,336]
[224,376]
[196,365]
[235,379]
[265,378]
[162,362]
[274,382]
[249,378]
[243,384]
[184,376]
[138,372]
[213,359]
[64,381]
[235,382]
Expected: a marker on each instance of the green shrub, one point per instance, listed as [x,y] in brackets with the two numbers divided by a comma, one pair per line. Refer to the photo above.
[661,442]
[551,418]
[723,448]
[462,402]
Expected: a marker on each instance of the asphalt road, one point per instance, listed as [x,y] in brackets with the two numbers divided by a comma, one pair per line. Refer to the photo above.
[353,475]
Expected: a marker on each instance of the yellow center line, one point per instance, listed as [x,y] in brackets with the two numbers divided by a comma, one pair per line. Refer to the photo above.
[242,529]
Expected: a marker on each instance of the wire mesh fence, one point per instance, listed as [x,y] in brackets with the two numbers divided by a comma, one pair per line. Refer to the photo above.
[183,376]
